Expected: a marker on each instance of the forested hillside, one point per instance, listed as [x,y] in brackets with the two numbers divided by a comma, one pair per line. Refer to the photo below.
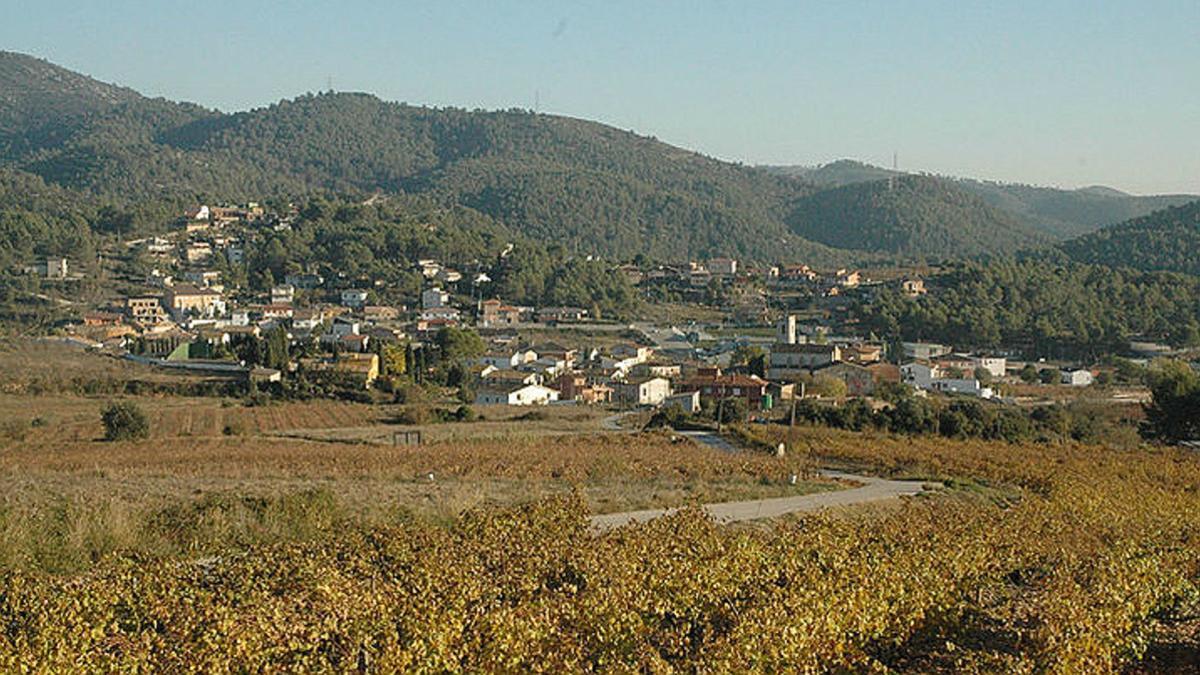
[1048,309]
[1164,240]
[1061,214]
[585,185]
[909,216]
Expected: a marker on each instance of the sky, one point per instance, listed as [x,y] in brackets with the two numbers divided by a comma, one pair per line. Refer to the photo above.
[1049,92]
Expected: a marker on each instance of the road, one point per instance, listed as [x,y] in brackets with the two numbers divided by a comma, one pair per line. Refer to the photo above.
[871,489]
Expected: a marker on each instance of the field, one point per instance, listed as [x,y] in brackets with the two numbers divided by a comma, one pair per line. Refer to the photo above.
[196,486]
[294,536]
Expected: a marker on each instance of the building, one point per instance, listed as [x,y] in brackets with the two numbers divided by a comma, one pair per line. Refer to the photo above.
[197,251]
[518,394]
[363,367]
[848,278]
[688,402]
[576,387]
[561,314]
[434,298]
[186,300]
[307,319]
[378,313]
[641,391]
[923,350]
[146,309]
[203,278]
[493,313]
[862,353]
[859,380]
[354,298]
[304,281]
[788,361]
[919,374]
[723,266]
[56,268]
[508,359]
[787,330]
[913,287]
[446,315]
[197,213]
[101,319]
[968,386]
[1078,377]
[995,365]
[503,377]
[715,386]
[283,294]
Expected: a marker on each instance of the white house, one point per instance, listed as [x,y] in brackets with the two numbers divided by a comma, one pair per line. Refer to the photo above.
[919,375]
[993,364]
[519,394]
[1078,377]
[642,390]
[283,294]
[969,386]
[434,298]
[508,359]
[923,350]
[354,297]
[688,402]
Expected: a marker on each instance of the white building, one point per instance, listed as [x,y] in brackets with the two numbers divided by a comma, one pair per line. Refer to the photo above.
[919,375]
[970,387]
[924,350]
[353,297]
[508,359]
[995,365]
[283,294]
[1078,377]
[521,394]
[642,391]
[434,298]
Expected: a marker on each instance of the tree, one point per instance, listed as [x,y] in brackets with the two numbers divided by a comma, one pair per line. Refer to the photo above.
[1048,376]
[1173,413]
[983,375]
[275,353]
[1029,373]
[124,421]
[394,359]
[459,344]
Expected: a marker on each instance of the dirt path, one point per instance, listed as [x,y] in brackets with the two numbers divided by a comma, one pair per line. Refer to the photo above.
[871,489]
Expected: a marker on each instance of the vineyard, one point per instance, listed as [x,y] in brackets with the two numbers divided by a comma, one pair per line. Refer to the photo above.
[1041,559]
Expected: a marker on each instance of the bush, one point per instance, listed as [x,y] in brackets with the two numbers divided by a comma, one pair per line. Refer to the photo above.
[124,422]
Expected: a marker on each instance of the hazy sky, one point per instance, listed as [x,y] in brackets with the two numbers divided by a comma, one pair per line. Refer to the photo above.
[1048,92]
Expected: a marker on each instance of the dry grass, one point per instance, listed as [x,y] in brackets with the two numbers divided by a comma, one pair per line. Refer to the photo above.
[70,499]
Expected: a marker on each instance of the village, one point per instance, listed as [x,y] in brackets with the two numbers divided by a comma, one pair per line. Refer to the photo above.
[753,348]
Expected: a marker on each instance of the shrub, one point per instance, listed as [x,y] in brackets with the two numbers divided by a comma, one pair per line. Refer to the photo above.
[124,421]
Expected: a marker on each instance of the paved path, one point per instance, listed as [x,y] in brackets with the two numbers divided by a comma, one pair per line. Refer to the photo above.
[711,440]
[872,489]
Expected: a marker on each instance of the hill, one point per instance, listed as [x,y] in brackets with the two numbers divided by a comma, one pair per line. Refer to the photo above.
[910,216]
[1164,240]
[1060,214]
[582,184]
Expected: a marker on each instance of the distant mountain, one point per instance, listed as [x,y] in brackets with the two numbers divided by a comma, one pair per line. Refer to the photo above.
[581,184]
[910,216]
[1061,214]
[1164,240]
